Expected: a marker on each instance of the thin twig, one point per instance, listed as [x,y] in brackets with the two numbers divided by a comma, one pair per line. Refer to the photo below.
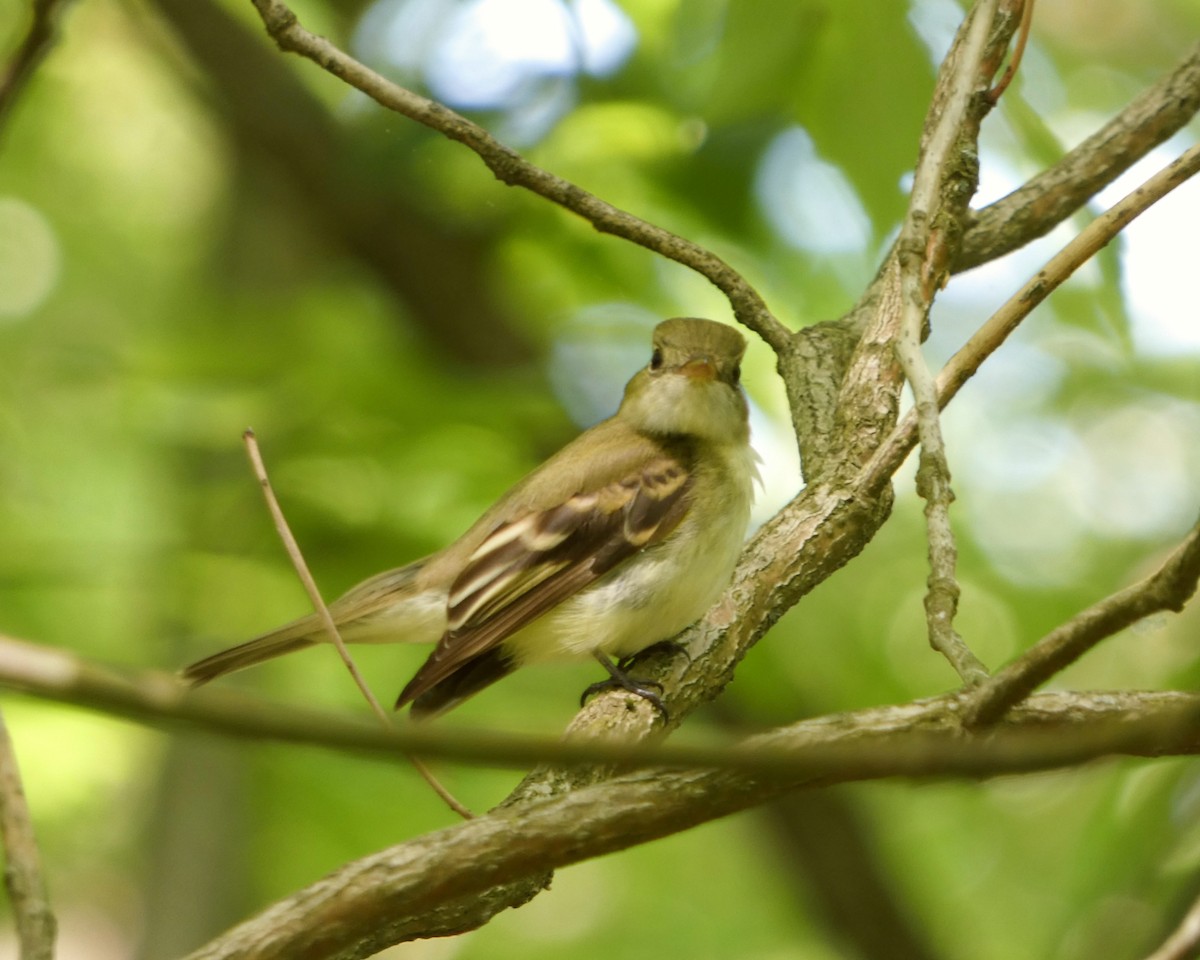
[994,95]
[1168,588]
[513,169]
[43,31]
[155,698]
[987,339]
[933,486]
[1184,942]
[923,248]
[306,577]
[35,923]
[326,618]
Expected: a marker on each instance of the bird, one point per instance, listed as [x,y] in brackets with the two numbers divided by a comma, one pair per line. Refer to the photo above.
[616,543]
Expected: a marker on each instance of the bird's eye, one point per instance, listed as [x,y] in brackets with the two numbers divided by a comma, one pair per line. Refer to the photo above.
[656,359]
[737,374]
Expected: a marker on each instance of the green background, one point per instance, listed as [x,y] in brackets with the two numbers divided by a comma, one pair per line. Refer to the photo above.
[198,234]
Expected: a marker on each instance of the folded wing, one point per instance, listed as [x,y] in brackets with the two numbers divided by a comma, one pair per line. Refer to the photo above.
[534,562]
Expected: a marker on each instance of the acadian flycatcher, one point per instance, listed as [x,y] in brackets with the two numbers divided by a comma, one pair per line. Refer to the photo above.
[617,542]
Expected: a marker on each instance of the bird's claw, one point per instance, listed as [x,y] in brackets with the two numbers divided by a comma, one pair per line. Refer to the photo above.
[641,688]
[620,680]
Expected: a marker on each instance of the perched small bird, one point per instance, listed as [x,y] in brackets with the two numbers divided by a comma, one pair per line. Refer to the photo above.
[617,542]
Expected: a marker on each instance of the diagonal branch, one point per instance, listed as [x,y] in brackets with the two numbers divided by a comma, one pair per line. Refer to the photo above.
[988,338]
[824,527]
[818,532]
[867,400]
[1168,588]
[1036,208]
[513,169]
[292,548]
[157,699]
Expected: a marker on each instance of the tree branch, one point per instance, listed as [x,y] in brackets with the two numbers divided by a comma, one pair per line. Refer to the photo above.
[281,132]
[1168,588]
[1036,208]
[927,240]
[511,168]
[158,699]
[292,548]
[988,338]
[36,926]
[823,528]
[947,171]
[397,894]
[1018,53]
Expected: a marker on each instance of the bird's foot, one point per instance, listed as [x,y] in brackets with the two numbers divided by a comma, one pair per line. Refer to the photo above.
[620,680]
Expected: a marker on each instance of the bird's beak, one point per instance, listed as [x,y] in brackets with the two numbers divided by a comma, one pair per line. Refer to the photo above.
[699,368]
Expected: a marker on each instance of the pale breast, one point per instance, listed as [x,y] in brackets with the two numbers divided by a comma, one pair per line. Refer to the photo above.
[660,591]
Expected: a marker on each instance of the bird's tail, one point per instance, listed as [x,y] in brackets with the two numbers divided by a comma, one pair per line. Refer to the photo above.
[385,608]
[293,636]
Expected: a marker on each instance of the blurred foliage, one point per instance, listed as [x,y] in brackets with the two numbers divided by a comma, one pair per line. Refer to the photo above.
[197,235]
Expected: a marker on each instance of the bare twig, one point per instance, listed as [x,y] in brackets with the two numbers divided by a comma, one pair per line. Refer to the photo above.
[1036,208]
[1028,213]
[963,365]
[326,618]
[43,30]
[513,169]
[924,249]
[155,698]
[1184,942]
[1168,588]
[433,885]
[306,577]
[997,91]
[36,926]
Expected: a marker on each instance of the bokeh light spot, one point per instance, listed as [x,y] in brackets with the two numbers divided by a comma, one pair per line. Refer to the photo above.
[29,258]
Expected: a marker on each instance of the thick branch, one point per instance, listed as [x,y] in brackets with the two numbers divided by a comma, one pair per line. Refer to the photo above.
[389,897]
[160,700]
[1029,213]
[1168,588]
[1040,205]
